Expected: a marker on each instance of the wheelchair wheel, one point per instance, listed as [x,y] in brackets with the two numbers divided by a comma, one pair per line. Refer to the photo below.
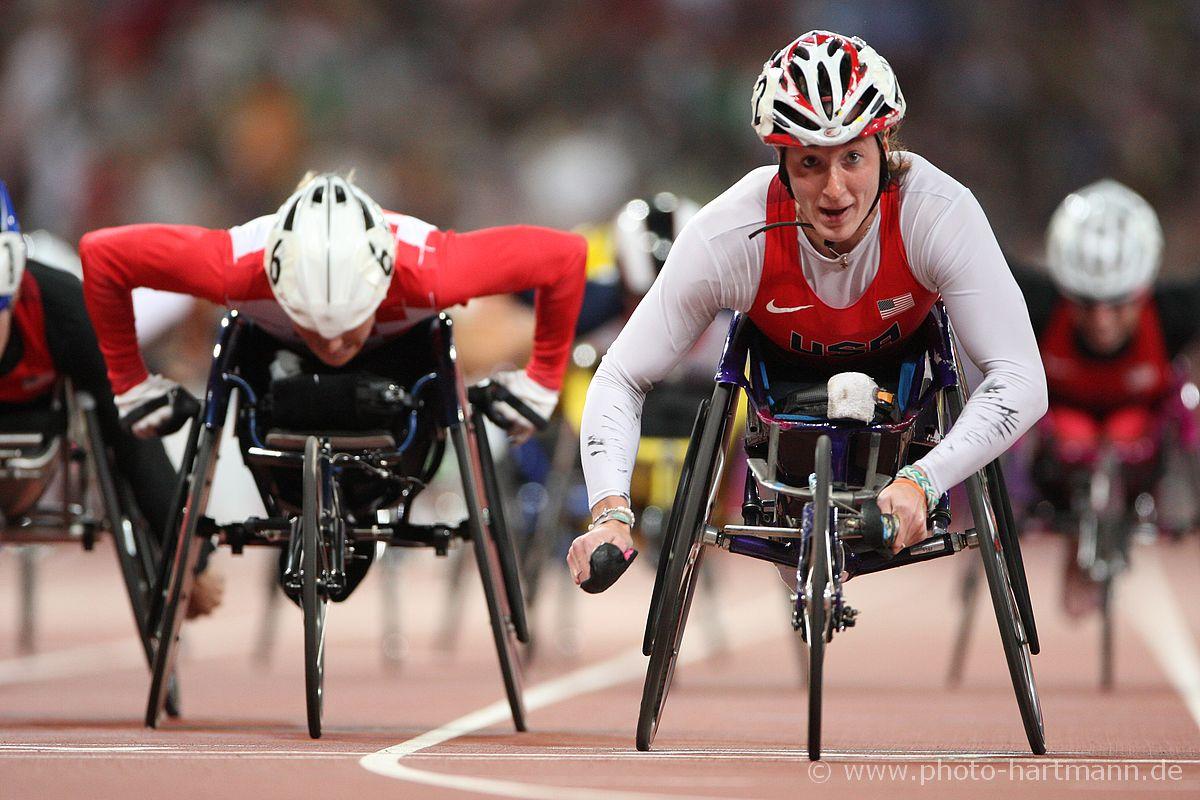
[816,584]
[671,528]
[498,525]
[1111,553]
[679,565]
[178,570]
[1008,618]
[314,565]
[1107,649]
[490,573]
[1007,530]
[137,553]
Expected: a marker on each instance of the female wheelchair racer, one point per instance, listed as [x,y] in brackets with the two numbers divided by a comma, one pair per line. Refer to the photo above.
[332,285]
[884,236]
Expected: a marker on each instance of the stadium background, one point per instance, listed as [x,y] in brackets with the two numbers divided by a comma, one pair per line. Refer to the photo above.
[477,112]
[470,113]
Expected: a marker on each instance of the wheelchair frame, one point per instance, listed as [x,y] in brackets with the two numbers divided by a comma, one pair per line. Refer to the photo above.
[317,536]
[78,458]
[833,531]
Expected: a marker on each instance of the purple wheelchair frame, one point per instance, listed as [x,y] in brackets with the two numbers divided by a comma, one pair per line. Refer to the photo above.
[831,528]
[916,395]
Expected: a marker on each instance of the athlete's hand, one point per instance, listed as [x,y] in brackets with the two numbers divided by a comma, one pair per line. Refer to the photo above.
[541,401]
[906,500]
[155,407]
[614,532]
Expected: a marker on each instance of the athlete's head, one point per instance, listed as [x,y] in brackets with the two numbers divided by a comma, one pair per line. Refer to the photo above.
[12,250]
[828,103]
[1103,247]
[645,229]
[330,259]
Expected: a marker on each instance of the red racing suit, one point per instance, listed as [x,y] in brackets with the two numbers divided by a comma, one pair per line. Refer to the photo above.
[1122,398]
[435,269]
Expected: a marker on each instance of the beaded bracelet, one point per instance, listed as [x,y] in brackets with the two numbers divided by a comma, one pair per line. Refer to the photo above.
[921,480]
[622,513]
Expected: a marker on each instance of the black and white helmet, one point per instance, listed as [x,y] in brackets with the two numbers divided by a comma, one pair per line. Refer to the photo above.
[330,256]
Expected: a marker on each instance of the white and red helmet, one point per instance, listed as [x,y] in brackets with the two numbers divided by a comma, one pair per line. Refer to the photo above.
[330,256]
[825,89]
[1104,243]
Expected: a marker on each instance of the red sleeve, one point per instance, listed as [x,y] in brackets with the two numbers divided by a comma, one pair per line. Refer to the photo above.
[516,259]
[174,258]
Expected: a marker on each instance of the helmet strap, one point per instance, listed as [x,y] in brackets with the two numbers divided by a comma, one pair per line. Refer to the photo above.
[784,178]
[885,173]
[885,176]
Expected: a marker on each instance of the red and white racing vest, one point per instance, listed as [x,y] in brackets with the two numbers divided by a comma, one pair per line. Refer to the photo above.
[35,374]
[790,314]
[1141,374]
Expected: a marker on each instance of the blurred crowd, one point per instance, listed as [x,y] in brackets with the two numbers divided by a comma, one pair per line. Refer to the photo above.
[476,112]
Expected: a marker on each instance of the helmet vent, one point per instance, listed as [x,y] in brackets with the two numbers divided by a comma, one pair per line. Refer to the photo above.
[833,45]
[291,216]
[795,117]
[318,194]
[368,222]
[844,71]
[339,194]
[870,99]
[825,89]
[798,77]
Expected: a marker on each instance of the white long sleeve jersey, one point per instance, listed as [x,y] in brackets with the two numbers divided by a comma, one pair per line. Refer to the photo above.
[714,264]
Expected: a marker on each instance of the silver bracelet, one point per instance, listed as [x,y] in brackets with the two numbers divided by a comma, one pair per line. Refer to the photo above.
[622,513]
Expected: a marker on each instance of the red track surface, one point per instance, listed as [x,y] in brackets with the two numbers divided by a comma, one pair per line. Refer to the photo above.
[70,718]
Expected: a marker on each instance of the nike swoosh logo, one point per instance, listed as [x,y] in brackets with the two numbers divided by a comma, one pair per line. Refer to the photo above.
[774,309]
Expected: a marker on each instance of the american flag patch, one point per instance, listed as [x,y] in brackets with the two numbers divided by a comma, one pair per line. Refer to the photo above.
[895,305]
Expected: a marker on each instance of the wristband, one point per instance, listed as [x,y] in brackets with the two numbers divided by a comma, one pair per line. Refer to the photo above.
[622,513]
[922,481]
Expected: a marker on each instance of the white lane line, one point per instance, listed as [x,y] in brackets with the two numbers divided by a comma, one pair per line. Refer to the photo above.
[624,668]
[1150,605]
[157,749]
[72,662]
[802,756]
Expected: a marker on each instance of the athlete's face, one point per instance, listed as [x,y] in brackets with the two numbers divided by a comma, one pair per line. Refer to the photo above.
[835,188]
[1107,327]
[337,351]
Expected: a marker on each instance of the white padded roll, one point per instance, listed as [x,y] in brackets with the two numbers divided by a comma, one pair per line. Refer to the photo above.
[852,396]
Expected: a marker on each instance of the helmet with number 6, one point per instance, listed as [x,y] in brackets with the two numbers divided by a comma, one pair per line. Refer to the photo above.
[825,89]
[12,250]
[330,256]
[1104,242]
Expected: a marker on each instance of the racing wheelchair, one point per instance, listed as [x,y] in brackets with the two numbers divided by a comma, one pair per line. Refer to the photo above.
[58,485]
[810,506]
[1106,502]
[332,493]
